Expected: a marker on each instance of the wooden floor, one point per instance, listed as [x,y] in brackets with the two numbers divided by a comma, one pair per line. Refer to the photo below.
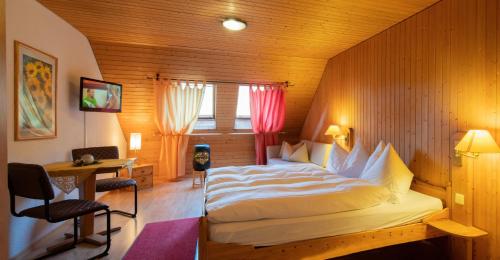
[166,201]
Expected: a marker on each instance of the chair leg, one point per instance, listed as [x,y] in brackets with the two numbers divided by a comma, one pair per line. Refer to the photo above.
[108,236]
[123,213]
[75,231]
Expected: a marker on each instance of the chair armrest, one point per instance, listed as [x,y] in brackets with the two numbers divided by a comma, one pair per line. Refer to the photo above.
[273,151]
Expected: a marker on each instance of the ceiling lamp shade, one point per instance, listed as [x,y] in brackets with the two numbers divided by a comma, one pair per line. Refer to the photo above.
[234,24]
[475,142]
[333,130]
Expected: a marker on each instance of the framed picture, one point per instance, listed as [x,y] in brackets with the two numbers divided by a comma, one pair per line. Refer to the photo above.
[35,94]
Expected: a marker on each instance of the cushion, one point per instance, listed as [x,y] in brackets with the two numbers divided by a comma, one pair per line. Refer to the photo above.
[309,145]
[374,156]
[114,183]
[319,153]
[286,145]
[300,155]
[355,162]
[65,209]
[336,158]
[390,171]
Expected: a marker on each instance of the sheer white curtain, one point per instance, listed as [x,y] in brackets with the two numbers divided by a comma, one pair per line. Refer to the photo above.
[177,107]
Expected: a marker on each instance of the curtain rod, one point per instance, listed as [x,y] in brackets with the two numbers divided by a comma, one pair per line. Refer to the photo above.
[287,84]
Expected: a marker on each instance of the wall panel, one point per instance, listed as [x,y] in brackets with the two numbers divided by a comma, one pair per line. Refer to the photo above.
[133,64]
[416,85]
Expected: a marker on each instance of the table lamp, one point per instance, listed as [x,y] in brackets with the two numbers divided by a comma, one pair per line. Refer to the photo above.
[476,142]
[135,143]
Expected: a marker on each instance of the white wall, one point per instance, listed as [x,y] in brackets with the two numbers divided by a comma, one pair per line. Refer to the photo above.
[4,201]
[31,23]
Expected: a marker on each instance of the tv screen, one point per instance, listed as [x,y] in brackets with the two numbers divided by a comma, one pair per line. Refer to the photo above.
[100,96]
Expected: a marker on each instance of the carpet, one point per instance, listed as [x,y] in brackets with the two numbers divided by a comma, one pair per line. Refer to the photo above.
[172,240]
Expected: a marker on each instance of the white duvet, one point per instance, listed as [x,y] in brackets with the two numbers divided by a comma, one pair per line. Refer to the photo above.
[284,191]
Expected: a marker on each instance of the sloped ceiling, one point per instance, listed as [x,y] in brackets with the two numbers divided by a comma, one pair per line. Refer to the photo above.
[310,29]
[285,41]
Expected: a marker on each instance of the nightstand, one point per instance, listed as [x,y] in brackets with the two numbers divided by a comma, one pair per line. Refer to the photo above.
[143,175]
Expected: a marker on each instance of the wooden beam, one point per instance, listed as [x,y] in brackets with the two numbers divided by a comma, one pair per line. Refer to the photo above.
[328,247]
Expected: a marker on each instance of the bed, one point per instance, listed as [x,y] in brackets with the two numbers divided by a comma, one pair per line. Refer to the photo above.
[250,230]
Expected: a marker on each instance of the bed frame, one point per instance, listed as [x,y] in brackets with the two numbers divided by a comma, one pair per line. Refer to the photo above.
[334,246]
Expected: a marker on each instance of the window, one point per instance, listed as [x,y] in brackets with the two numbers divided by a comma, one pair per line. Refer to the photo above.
[208,104]
[206,118]
[243,108]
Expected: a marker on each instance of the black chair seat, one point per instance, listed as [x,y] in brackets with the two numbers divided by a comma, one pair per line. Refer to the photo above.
[63,210]
[113,184]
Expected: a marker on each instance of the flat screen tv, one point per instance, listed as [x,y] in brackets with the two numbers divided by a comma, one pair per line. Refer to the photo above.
[100,96]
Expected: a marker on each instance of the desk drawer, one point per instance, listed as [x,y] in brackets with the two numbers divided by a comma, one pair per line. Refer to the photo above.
[144,182]
[142,171]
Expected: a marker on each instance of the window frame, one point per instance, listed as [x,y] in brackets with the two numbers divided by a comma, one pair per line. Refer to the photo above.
[214,98]
[237,101]
[239,118]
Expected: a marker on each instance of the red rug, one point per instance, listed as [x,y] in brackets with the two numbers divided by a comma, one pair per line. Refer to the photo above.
[172,240]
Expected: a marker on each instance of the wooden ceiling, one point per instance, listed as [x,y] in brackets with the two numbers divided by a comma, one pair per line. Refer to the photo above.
[302,28]
[285,41]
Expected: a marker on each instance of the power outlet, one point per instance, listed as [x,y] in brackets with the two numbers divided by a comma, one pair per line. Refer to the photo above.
[459,199]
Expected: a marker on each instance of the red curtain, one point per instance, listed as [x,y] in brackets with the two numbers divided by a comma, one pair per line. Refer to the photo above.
[267,110]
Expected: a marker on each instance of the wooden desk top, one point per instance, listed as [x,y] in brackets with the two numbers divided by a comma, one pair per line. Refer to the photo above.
[67,168]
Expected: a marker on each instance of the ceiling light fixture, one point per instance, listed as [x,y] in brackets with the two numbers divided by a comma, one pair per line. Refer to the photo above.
[234,24]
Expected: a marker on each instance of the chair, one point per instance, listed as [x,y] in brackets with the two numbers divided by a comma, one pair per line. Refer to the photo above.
[31,181]
[109,184]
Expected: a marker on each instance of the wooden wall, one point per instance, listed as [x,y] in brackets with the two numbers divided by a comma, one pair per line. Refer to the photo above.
[416,85]
[4,196]
[228,147]
[132,64]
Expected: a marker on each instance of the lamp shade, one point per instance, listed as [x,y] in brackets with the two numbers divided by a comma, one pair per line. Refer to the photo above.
[477,141]
[135,141]
[333,130]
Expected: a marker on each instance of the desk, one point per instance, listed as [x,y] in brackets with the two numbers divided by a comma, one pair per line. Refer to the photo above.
[86,176]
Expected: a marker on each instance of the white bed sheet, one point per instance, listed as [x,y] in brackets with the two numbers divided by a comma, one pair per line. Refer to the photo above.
[413,207]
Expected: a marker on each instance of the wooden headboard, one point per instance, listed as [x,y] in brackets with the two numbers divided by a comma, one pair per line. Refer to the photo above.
[443,193]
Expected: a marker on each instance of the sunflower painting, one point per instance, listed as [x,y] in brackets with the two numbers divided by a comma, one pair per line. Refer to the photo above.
[35,93]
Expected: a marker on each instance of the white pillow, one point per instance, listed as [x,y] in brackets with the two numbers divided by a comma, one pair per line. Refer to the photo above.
[319,153]
[309,145]
[289,150]
[390,171]
[300,155]
[336,158]
[374,156]
[285,145]
[355,162]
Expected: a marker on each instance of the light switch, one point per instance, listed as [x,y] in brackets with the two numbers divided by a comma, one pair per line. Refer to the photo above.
[459,199]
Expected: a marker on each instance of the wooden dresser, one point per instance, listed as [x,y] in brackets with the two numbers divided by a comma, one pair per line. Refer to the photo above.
[143,175]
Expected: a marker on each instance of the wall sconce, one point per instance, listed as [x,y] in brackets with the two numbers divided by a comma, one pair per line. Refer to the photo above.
[135,143]
[336,132]
[476,142]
